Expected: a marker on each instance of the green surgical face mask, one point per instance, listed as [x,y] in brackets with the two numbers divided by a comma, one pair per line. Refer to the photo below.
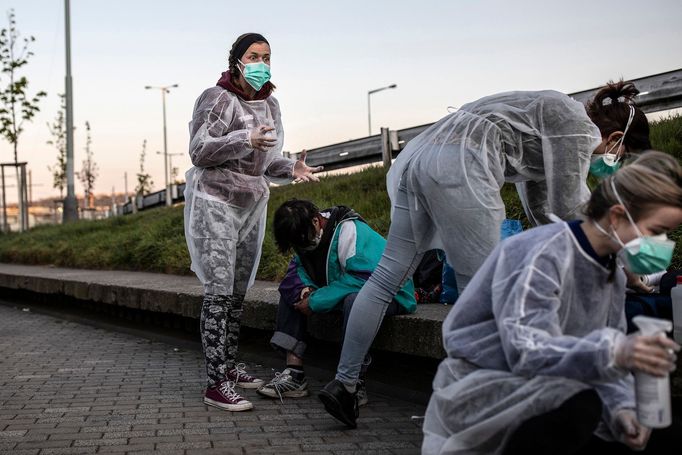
[645,254]
[648,254]
[604,165]
[256,74]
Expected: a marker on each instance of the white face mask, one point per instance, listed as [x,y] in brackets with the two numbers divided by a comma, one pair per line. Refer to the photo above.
[316,241]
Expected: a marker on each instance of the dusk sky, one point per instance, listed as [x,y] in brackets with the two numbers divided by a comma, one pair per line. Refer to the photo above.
[325,57]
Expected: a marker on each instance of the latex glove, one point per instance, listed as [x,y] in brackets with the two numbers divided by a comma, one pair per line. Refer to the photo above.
[303,172]
[631,432]
[260,139]
[654,355]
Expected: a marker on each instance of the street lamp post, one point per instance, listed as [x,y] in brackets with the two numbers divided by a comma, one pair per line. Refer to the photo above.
[369,106]
[170,160]
[70,203]
[164,89]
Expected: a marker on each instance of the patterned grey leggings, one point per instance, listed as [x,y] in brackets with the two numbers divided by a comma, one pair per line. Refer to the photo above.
[220,322]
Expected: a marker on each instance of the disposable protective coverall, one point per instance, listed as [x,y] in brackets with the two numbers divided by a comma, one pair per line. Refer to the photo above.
[445,192]
[453,171]
[227,189]
[535,326]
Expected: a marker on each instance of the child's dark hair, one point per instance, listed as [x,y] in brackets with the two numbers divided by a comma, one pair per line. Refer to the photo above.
[293,224]
[610,110]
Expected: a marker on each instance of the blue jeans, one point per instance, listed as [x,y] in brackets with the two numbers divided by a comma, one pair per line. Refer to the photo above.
[397,265]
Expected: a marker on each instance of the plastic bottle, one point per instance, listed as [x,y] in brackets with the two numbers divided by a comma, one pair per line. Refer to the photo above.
[676,297]
[653,393]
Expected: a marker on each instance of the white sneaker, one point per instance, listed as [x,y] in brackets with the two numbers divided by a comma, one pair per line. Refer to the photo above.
[284,385]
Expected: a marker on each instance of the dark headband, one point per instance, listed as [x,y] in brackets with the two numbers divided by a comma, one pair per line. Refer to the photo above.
[247,40]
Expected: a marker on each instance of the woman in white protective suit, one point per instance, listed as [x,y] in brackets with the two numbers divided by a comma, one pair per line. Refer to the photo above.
[445,192]
[537,358]
[236,139]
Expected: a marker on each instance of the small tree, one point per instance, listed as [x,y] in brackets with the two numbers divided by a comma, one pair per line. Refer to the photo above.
[89,172]
[58,133]
[16,106]
[144,180]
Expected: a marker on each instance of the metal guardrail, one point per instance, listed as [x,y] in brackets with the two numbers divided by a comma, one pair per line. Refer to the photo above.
[151,200]
[657,93]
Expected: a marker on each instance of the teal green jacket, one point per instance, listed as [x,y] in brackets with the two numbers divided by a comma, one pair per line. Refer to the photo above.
[354,252]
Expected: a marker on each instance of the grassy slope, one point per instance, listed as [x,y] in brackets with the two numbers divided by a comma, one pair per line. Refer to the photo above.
[154,240]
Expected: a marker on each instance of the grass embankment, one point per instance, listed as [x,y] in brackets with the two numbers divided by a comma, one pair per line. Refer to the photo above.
[154,240]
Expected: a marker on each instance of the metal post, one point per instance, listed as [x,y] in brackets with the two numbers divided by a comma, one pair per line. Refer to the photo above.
[369,115]
[5,226]
[386,155]
[164,90]
[165,150]
[23,194]
[70,203]
[125,187]
[369,107]
[30,187]
[113,201]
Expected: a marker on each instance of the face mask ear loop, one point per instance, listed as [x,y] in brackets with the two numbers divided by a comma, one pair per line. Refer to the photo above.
[627,212]
[611,237]
[620,141]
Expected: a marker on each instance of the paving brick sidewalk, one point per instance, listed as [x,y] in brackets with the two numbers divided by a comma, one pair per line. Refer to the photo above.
[68,388]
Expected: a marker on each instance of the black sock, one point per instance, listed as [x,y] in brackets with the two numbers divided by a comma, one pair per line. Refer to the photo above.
[297,372]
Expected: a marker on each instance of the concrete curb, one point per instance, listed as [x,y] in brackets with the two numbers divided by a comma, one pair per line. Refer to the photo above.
[417,334]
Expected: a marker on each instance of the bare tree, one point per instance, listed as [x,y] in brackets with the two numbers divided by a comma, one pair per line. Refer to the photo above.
[89,171]
[16,106]
[58,133]
[144,180]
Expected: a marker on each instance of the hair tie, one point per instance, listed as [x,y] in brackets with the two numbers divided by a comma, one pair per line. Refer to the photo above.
[621,99]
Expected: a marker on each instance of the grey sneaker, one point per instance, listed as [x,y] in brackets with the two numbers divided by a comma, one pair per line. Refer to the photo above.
[284,385]
[362,393]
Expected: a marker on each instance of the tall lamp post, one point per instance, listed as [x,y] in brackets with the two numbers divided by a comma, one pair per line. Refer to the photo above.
[70,203]
[164,89]
[170,160]
[369,106]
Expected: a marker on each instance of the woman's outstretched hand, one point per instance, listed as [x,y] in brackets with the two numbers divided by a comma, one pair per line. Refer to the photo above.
[303,172]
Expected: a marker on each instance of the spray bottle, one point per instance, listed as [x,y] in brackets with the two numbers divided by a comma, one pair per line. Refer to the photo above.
[653,393]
